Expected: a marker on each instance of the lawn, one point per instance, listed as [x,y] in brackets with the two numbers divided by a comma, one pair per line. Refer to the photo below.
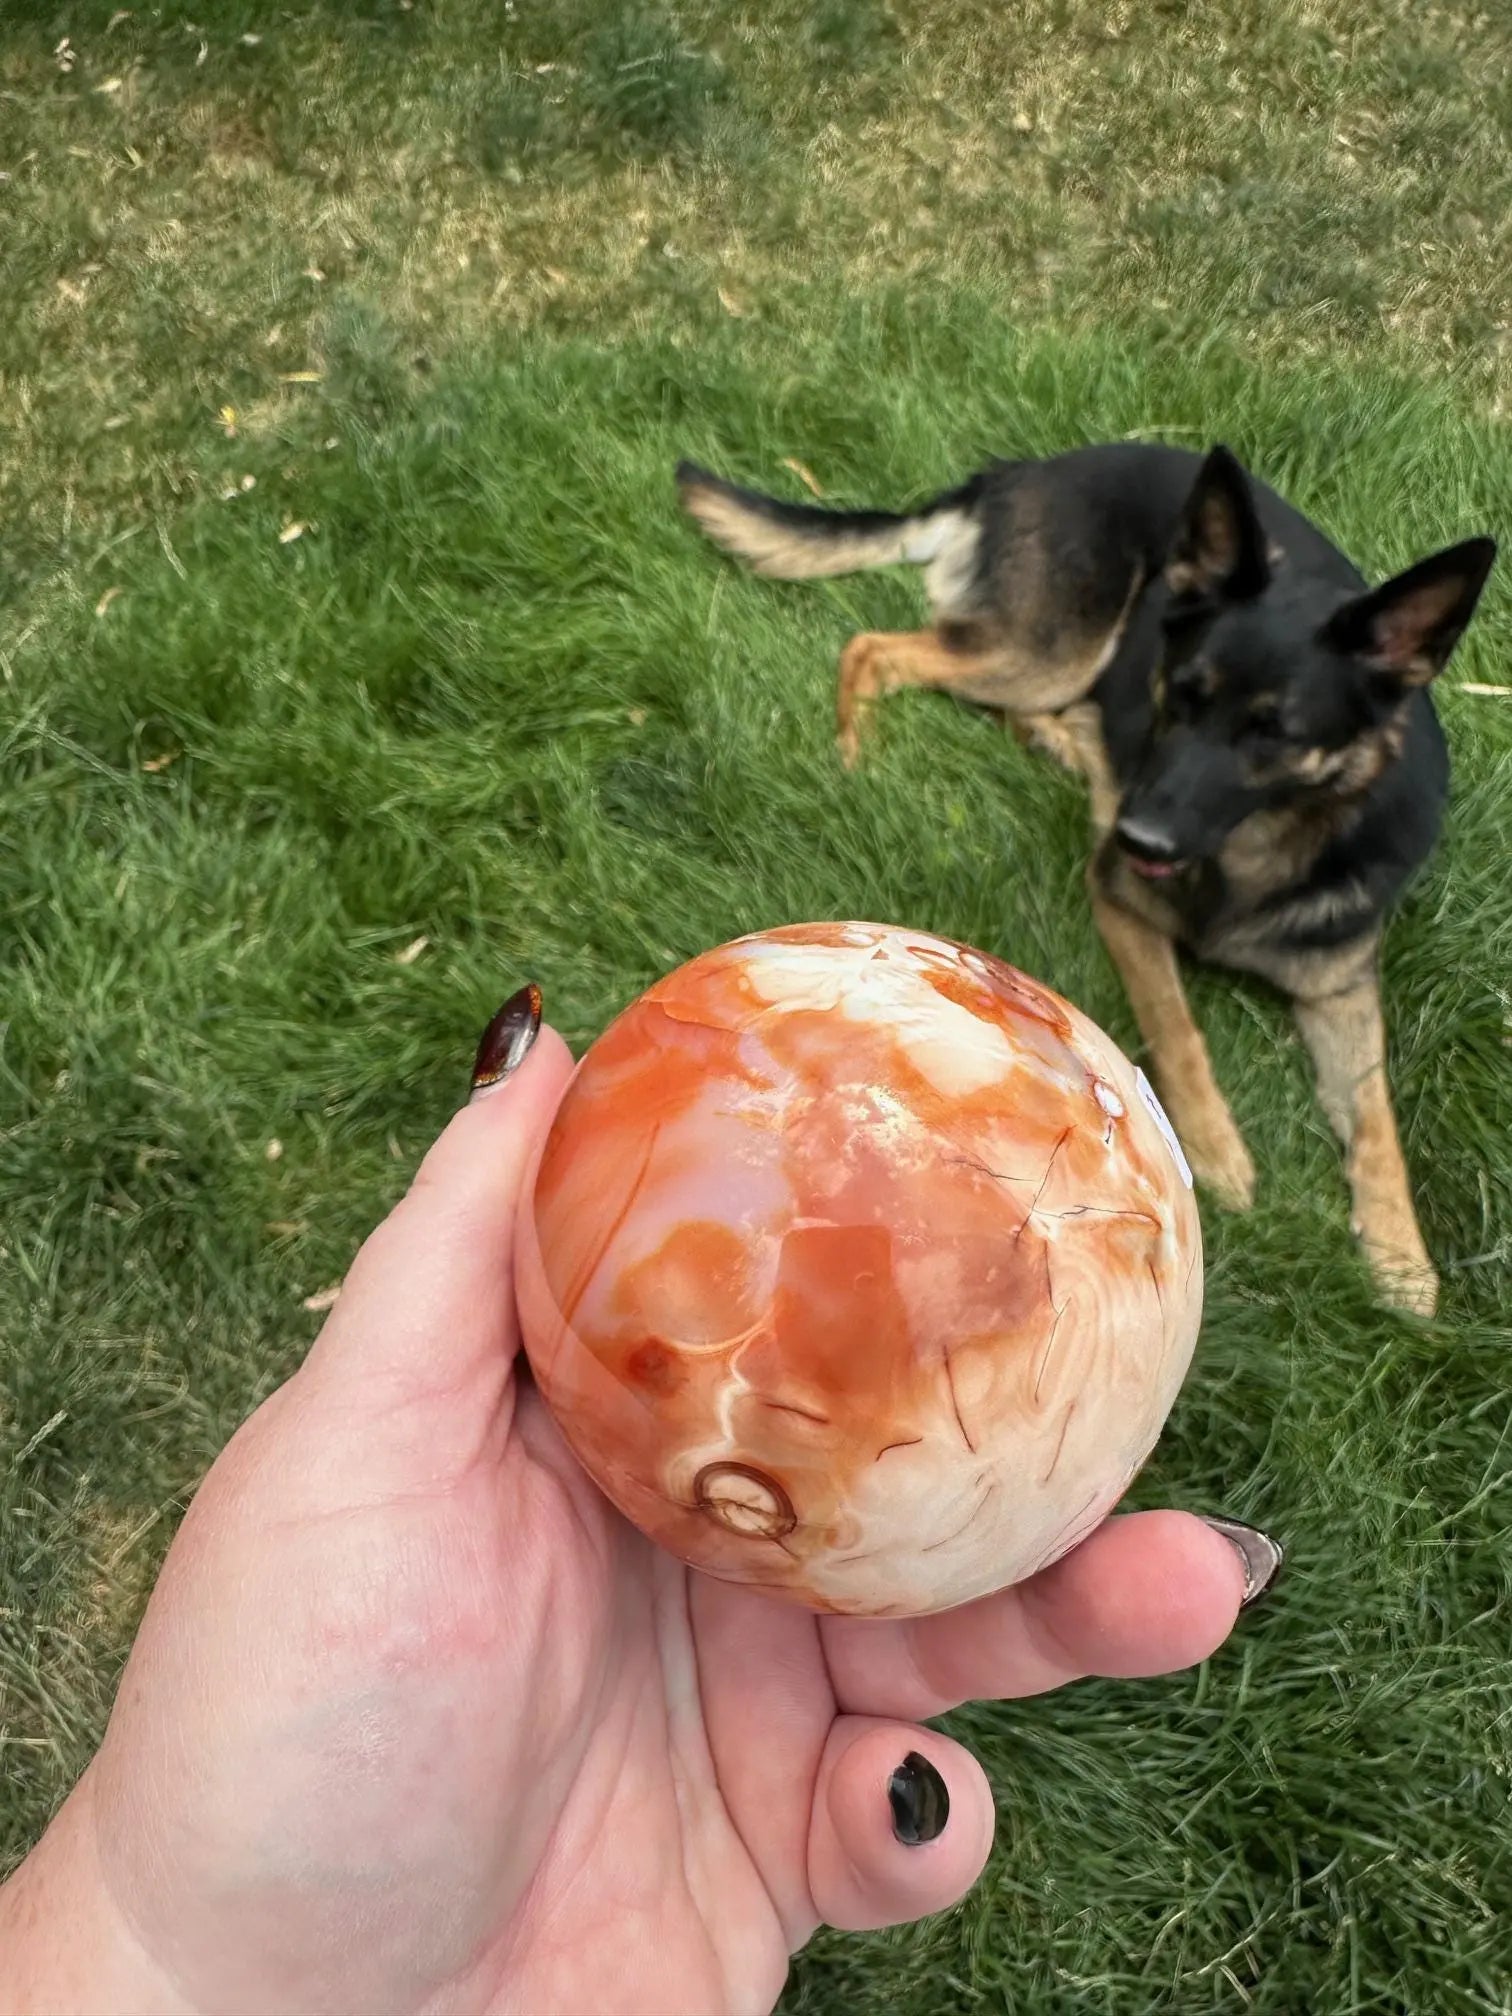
[357,666]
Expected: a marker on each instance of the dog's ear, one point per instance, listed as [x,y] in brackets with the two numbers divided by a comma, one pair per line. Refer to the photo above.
[1219,548]
[1407,628]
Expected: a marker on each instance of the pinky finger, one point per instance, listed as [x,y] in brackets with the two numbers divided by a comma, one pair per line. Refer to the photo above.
[901,1825]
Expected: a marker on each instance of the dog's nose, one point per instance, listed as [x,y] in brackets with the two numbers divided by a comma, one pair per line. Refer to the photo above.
[1147,842]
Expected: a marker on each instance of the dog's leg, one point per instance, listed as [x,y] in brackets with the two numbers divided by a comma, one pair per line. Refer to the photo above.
[1180,1065]
[1073,739]
[1346,1034]
[1049,735]
[878,662]
[1146,962]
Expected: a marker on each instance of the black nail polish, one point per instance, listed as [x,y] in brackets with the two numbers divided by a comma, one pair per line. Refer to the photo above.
[1262,1556]
[919,1801]
[506,1041]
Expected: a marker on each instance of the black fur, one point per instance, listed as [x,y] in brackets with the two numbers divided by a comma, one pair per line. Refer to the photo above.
[1226,682]
[1253,673]
[815,517]
[1265,764]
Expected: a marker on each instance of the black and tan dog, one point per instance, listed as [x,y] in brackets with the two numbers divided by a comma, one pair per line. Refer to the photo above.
[1266,767]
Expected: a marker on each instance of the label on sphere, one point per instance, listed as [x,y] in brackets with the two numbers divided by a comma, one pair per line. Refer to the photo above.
[1158,1115]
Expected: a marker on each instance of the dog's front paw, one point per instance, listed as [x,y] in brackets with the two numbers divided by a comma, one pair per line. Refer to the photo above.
[1220,1161]
[848,743]
[855,696]
[1413,1290]
[1404,1276]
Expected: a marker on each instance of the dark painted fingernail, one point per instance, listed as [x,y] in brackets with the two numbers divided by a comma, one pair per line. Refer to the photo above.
[507,1039]
[919,1801]
[1262,1556]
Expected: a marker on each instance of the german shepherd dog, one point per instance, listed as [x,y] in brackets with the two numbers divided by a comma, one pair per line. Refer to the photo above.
[1265,764]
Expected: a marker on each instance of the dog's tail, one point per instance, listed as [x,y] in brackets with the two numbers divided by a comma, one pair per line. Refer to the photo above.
[799,542]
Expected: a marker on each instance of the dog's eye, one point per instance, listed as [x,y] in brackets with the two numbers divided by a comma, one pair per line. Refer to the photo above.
[1184,613]
[1191,687]
[1266,723]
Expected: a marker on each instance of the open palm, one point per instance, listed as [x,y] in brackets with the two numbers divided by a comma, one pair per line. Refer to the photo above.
[415,1722]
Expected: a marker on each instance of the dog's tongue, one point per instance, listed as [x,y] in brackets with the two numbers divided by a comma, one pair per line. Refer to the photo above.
[1154,871]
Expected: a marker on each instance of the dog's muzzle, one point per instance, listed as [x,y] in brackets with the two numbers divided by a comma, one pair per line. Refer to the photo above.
[1151,852]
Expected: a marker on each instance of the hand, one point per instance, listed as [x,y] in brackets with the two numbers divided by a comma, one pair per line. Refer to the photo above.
[415,1722]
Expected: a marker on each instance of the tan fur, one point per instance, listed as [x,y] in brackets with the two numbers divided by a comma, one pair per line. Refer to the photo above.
[1336,999]
[1316,766]
[1145,956]
[1047,707]
[1367,758]
[1355,767]
[1017,638]
[1146,960]
[988,663]
[785,555]
[1270,849]
[1346,1034]
[1015,680]
[878,662]
[1074,739]
[989,673]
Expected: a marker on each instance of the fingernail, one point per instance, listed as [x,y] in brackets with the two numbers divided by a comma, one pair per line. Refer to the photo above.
[919,1801]
[1262,1556]
[507,1039]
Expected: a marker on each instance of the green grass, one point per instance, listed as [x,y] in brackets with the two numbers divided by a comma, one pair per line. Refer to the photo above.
[498,696]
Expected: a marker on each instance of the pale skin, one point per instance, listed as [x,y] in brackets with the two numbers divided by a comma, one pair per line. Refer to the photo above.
[415,1723]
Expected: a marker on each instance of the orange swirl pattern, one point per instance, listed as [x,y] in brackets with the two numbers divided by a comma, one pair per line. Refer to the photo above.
[859,1267]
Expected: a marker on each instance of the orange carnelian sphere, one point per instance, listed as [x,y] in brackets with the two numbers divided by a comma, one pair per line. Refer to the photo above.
[859,1268]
